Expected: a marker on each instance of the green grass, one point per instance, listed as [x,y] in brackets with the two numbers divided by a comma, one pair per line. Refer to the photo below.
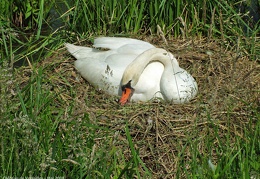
[236,159]
[28,24]
[42,139]
[45,133]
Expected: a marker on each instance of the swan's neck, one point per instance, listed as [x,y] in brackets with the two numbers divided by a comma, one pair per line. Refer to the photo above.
[136,68]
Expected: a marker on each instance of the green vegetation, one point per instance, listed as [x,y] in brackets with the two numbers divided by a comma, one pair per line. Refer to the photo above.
[54,124]
[23,23]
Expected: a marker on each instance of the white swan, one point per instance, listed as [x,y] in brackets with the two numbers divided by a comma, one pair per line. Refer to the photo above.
[134,69]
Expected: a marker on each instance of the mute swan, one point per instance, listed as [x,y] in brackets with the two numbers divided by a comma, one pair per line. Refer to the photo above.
[133,69]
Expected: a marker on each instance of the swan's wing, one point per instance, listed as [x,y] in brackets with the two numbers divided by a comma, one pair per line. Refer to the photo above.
[102,69]
[119,61]
[115,59]
[102,75]
[115,43]
[133,49]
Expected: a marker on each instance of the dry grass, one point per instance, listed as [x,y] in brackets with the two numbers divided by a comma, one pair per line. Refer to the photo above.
[228,86]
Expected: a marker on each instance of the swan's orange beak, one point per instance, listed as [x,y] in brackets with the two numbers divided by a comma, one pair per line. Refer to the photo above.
[126,96]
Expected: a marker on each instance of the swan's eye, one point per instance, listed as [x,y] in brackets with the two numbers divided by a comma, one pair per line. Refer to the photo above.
[164,53]
[123,89]
[128,85]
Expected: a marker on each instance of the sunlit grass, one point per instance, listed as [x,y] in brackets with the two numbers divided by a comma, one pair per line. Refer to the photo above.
[29,25]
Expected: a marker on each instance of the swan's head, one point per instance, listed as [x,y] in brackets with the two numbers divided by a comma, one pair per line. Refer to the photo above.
[127,92]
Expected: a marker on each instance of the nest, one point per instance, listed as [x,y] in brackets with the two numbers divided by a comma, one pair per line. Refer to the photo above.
[228,86]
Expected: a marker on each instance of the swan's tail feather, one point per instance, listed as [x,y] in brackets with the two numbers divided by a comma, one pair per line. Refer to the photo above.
[78,51]
[70,47]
